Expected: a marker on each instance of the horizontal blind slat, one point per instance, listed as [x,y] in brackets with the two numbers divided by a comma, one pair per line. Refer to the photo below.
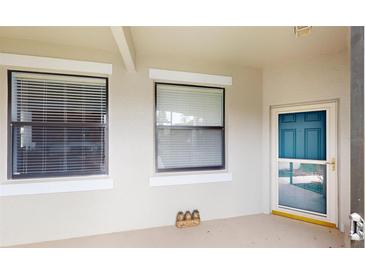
[189,105]
[39,97]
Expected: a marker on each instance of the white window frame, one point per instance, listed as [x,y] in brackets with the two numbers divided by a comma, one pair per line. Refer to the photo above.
[11,125]
[196,177]
[59,184]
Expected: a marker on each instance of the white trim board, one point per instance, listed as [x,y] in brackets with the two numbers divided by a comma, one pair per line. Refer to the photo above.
[53,186]
[189,77]
[8,59]
[169,180]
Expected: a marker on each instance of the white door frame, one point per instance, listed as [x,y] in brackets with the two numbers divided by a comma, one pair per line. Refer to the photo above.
[331,140]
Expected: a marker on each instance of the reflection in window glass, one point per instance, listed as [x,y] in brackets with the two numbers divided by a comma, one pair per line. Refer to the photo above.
[303,186]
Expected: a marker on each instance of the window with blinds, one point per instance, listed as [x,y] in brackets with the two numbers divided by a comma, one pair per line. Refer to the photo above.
[58,125]
[189,127]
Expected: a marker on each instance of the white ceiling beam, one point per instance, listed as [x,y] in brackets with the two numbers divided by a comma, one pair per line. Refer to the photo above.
[123,38]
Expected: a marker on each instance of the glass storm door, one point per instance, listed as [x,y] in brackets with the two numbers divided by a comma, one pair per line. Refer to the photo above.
[305,163]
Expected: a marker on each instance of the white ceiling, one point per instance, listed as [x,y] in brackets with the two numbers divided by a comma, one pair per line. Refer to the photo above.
[251,46]
[89,37]
[248,46]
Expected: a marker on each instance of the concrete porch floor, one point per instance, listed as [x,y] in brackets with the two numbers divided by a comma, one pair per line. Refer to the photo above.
[248,231]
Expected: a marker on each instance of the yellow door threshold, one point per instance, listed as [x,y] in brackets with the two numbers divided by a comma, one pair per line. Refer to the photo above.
[304,219]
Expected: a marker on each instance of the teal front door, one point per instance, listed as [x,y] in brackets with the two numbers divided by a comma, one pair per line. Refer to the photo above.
[302,136]
[304,153]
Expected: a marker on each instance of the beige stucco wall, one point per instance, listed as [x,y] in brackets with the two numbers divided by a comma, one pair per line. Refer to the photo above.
[322,78]
[133,204]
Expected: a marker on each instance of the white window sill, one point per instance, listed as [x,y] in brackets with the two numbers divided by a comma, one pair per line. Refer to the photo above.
[54,185]
[169,180]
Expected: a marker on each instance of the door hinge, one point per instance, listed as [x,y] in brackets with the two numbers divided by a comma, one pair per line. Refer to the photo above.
[357,227]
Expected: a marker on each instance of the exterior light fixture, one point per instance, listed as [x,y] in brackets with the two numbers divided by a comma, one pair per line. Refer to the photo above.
[302,31]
